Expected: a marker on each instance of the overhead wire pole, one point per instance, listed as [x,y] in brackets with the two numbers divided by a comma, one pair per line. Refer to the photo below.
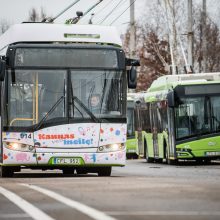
[190,38]
[132,30]
[204,36]
[170,38]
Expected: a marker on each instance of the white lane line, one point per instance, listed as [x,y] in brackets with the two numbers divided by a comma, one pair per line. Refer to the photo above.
[27,207]
[16,216]
[91,212]
[164,213]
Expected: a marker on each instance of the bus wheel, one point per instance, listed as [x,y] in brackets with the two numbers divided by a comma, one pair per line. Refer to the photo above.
[148,159]
[104,171]
[68,170]
[172,162]
[81,170]
[6,171]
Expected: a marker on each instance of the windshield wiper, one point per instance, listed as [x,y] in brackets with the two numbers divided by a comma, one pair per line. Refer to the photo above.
[85,108]
[49,112]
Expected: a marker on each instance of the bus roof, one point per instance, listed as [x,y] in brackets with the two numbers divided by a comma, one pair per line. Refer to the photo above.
[171,81]
[60,33]
[134,96]
[161,86]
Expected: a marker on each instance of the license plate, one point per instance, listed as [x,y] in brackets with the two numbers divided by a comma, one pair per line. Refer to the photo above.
[212,153]
[66,160]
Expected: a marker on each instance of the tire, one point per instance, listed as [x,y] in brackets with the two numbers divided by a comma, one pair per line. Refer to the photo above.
[104,171]
[148,159]
[6,171]
[159,160]
[80,171]
[68,171]
[172,162]
[145,148]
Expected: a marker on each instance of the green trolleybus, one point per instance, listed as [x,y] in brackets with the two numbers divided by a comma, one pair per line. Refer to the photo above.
[134,147]
[181,118]
[132,141]
[63,98]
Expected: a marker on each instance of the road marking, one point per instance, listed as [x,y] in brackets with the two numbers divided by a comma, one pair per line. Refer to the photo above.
[91,212]
[164,213]
[15,215]
[27,207]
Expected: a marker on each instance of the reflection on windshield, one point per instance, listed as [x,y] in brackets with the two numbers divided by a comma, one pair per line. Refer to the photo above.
[99,91]
[33,93]
[196,116]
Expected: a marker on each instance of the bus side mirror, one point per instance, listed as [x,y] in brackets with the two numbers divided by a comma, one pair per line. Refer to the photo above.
[2,70]
[171,99]
[132,78]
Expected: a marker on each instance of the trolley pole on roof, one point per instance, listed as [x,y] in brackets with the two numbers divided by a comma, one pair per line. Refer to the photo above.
[85,13]
[190,37]
[132,30]
[63,11]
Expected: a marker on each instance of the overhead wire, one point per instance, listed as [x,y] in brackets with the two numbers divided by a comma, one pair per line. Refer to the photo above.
[178,36]
[123,12]
[111,11]
[103,7]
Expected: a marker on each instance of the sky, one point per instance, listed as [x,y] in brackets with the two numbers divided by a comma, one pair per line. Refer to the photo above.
[17,11]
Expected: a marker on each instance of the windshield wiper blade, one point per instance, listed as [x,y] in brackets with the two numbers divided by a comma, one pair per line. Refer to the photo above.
[86,109]
[49,112]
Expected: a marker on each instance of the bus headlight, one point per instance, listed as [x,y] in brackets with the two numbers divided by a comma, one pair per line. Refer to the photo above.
[19,146]
[111,147]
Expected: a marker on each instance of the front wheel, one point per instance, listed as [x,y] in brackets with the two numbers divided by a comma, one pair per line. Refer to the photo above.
[68,171]
[6,171]
[104,171]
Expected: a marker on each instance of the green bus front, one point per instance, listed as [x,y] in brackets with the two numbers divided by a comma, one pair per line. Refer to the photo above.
[183,123]
[132,141]
[197,121]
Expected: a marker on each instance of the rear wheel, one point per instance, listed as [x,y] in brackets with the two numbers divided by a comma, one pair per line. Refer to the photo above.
[169,161]
[104,171]
[6,171]
[148,159]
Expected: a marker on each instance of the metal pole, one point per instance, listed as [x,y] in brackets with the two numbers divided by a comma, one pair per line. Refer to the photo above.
[204,34]
[190,36]
[132,30]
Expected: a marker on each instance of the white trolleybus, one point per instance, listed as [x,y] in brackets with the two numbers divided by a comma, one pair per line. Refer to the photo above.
[63,98]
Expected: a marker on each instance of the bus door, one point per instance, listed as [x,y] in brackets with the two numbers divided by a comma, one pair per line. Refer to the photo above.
[171,132]
[154,128]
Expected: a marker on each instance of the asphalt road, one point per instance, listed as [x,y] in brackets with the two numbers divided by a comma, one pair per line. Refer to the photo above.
[137,191]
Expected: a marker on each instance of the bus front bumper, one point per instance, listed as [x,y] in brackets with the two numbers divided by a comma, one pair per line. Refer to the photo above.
[17,158]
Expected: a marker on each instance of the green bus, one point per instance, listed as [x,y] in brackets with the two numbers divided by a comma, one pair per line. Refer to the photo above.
[181,118]
[132,141]
[134,148]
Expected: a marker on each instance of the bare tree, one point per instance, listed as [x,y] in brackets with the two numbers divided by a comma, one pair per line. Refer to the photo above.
[34,16]
[211,31]
[4,25]
[154,41]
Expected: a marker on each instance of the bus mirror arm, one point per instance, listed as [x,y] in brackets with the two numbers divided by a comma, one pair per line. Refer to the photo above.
[132,62]
[2,69]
